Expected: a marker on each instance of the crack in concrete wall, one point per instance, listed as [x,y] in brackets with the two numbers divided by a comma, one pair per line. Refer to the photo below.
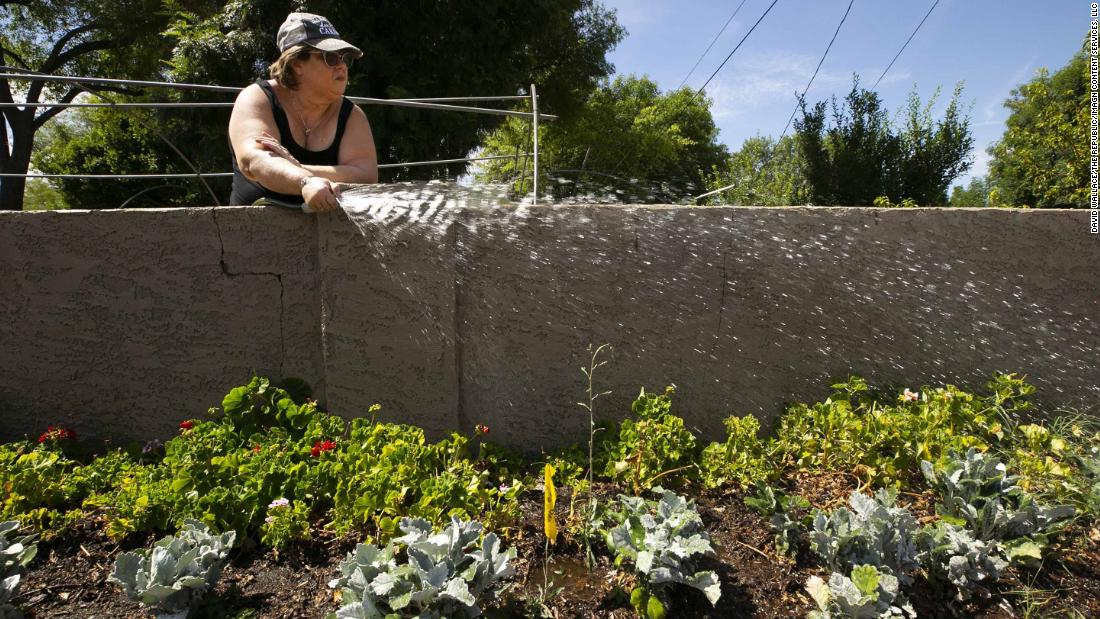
[278,277]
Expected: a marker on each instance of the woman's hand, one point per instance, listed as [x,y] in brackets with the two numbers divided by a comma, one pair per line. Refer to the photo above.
[268,142]
[320,194]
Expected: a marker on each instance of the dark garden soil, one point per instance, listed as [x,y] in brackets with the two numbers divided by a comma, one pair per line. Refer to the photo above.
[69,576]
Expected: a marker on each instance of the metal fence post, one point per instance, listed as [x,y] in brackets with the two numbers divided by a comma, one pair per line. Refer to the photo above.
[535,140]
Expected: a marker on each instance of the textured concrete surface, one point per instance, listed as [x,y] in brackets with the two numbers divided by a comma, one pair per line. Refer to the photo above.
[388,324]
[124,322]
[745,309]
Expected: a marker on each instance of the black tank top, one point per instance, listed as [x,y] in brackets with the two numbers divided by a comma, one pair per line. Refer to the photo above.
[246,192]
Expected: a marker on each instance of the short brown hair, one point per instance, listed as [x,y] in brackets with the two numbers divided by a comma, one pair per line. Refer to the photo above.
[281,70]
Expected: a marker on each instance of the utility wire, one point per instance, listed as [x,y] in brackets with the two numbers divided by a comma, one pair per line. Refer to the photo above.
[906,44]
[15,73]
[700,91]
[802,96]
[715,40]
[34,75]
[381,166]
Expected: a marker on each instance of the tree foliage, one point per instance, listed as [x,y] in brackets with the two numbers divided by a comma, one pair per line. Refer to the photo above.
[120,141]
[858,155]
[411,49]
[764,172]
[629,137]
[1042,160]
[77,37]
[975,194]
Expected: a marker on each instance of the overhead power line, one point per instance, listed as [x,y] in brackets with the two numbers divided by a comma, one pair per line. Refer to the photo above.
[906,44]
[707,50]
[802,96]
[703,87]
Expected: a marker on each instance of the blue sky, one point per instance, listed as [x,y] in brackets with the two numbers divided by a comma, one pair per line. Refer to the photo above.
[990,45]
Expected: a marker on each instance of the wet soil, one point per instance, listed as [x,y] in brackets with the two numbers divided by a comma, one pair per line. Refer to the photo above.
[69,576]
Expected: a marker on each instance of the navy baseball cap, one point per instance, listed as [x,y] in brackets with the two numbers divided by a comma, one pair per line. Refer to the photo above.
[313,30]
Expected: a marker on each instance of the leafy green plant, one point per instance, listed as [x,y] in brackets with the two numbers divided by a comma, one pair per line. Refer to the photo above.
[286,522]
[45,488]
[873,532]
[662,538]
[652,445]
[775,505]
[977,491]
[211,473]
[447,573]
[260,405]
[951,555]
[387,471]
[884,202]
[1090,467]
[741,459]
[1056,463]
[1044,462]
[173,576]
[16,552]
[36,484]
[227,471]
[868,593]
[883,437]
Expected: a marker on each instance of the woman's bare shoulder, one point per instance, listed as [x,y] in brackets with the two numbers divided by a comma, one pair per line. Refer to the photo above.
[253,94]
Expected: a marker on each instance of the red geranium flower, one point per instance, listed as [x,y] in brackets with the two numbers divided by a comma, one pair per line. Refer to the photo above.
[321,446]
[187,425]
[56,433]
[480,429]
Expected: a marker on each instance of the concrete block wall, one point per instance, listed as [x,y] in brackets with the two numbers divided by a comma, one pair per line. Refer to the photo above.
[121,323]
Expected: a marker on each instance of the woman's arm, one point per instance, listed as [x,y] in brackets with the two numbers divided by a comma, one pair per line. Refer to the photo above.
[249,123]
[358,161]
[251,127]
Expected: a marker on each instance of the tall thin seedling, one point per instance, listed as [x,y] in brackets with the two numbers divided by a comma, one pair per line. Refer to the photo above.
[589,372]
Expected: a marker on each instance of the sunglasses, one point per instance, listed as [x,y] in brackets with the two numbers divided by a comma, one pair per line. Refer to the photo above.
[335,59]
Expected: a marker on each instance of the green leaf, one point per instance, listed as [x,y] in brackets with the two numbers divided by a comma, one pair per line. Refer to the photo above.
[866,579]
[654,608]
[1023,551]
[638,599]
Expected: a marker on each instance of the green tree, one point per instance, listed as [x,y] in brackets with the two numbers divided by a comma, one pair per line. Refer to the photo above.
[1042,160]
[82,37]
[933,153]
[443,48]
[629,136]
[860,155]
[764,172]
[111,141]
[40,195]
[973,195]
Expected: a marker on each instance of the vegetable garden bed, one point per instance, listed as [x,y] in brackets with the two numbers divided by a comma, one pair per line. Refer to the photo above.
[873,502]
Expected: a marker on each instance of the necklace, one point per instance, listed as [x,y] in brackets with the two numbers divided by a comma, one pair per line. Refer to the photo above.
[302,118]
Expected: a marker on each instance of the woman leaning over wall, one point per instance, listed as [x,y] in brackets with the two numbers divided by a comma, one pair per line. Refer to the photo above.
[295,136]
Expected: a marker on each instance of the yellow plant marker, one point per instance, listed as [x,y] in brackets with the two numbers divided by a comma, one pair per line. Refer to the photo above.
[549,499]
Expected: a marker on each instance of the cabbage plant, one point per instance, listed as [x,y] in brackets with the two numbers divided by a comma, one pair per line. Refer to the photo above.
[873,532]
[446,573]
[868,593]
[950,554]
[662,538]
[176,572]
[977,491]
[16,552]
